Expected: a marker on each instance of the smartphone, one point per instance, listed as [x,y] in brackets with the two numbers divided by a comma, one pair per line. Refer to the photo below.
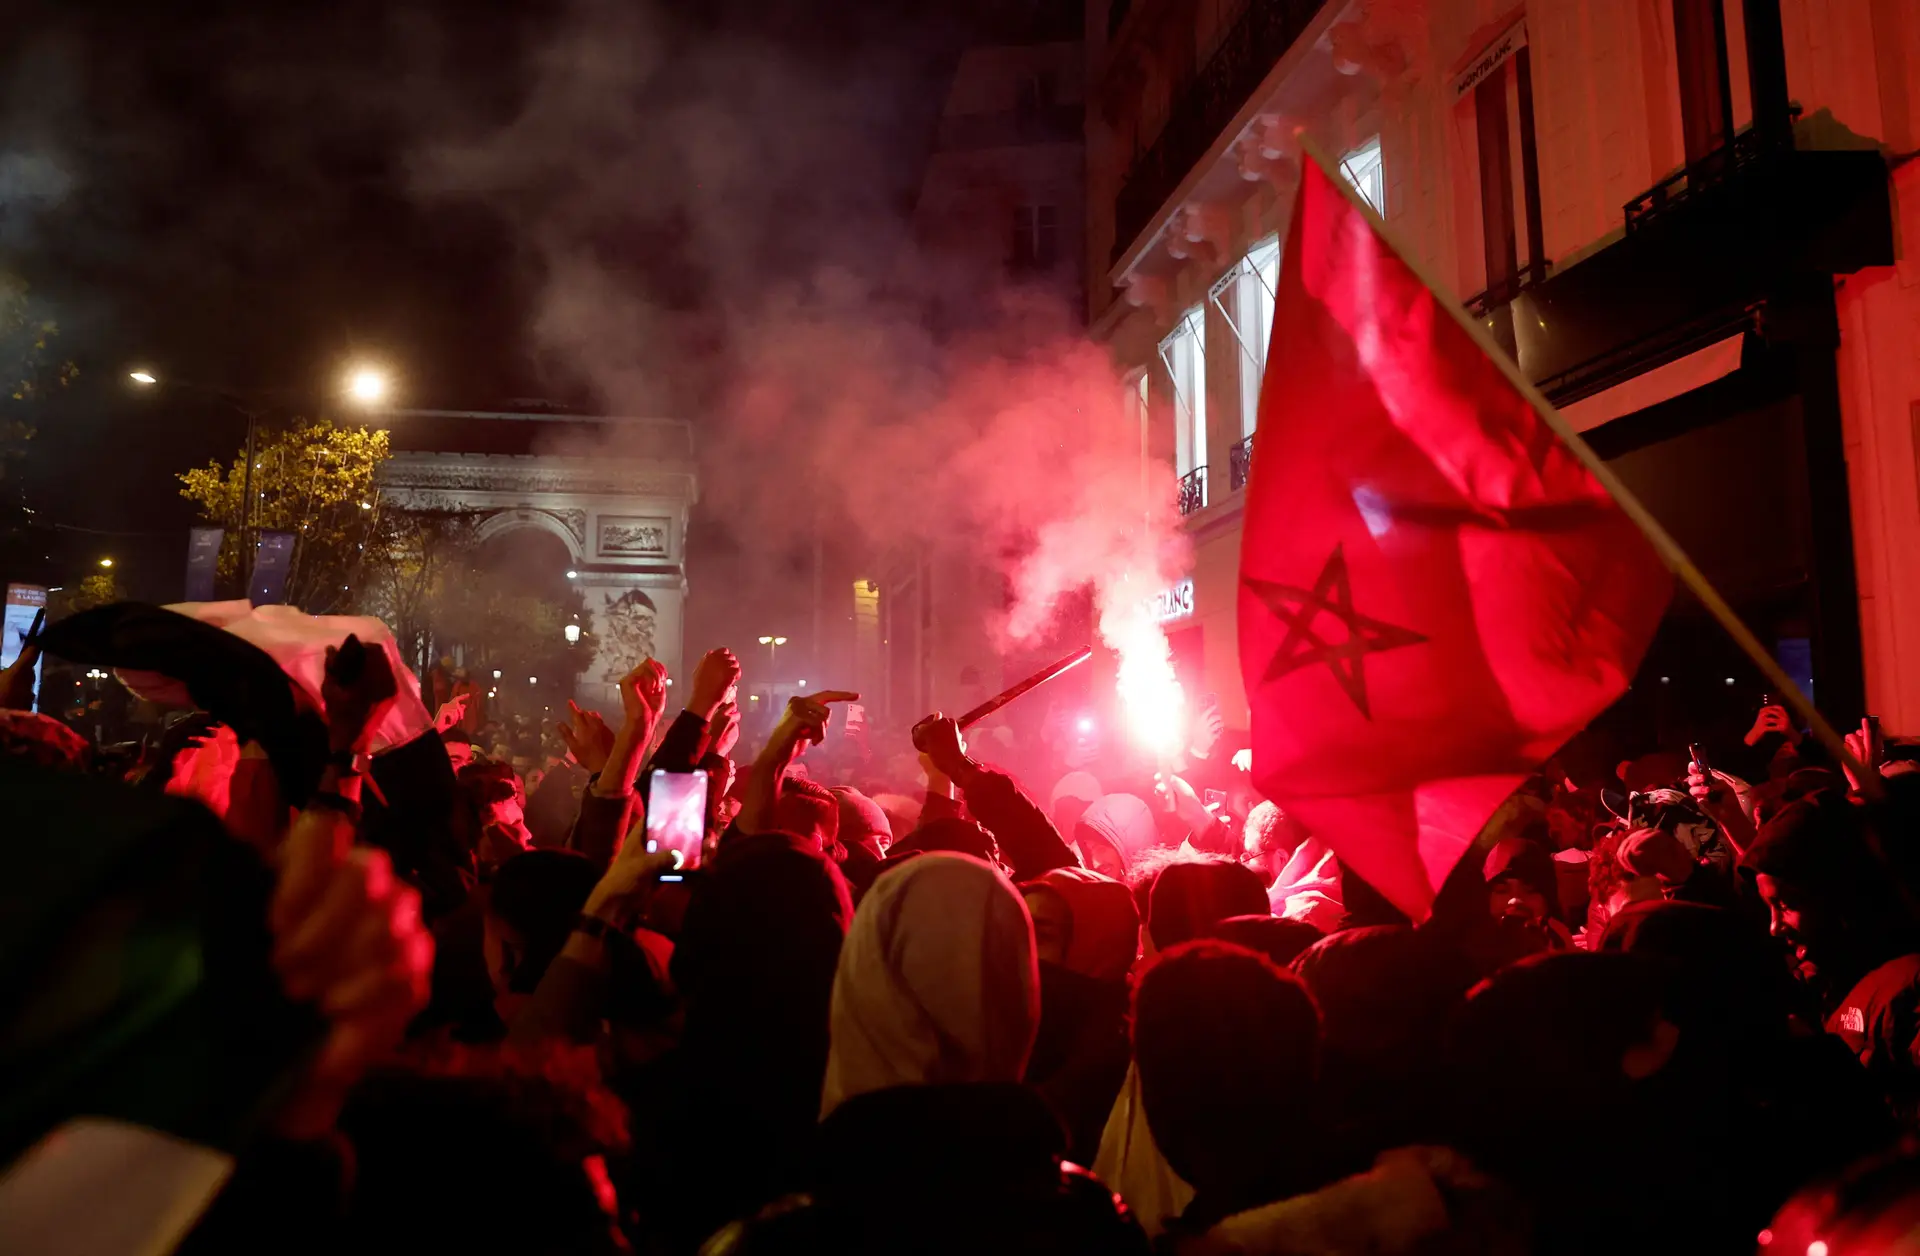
[1214,798]
[1699,756]
[677,815]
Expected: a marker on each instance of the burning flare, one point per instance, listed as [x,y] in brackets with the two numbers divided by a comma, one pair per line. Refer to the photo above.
[1150,693]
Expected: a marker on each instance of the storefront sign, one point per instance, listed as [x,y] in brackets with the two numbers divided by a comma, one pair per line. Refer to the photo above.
[1496,54]
[1171,603]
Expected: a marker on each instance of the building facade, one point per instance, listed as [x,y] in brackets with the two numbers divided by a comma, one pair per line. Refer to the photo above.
[1679,218]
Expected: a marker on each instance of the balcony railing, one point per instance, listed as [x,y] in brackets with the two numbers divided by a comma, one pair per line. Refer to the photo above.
[1239,464]
[1261,36]
[1193,491]
[1722,165]
[1483,303]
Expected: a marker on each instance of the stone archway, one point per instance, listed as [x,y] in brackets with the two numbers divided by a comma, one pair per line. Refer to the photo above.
[616,492]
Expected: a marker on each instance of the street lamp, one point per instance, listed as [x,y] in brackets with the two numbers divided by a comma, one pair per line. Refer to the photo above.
[367,385]
[106,562]
[142,378]
[572,632]
[773,645]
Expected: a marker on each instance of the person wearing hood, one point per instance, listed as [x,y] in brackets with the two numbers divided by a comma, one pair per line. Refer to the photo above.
[1112,831]
[1228,1052]
[1086,936]
[1523,902]
[1850,940]
[755,963]
[937,982]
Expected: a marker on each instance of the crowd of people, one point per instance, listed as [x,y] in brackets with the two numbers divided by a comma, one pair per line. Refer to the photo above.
[962,999]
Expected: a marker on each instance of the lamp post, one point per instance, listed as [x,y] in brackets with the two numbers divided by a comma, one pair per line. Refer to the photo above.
[773,645]
[365,386]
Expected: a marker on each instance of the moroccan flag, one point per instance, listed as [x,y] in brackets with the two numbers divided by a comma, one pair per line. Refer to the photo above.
[1435,593]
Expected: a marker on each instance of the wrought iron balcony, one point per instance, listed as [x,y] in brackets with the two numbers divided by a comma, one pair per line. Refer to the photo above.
[1239,464]
[1193,491]
[1723,165]
[1257,40]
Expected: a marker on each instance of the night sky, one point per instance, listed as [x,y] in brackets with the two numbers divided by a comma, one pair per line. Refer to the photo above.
[252,195]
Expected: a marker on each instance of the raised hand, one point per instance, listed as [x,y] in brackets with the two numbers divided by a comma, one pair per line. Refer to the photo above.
[1773,718]
[643,695]
[347,937]
[643,691]
[806,717]
[726,728]
[938,737]
[621,895]
[1716,794]
[1867,747]
[451,712]
[715,678]
[357,687]
[589,740]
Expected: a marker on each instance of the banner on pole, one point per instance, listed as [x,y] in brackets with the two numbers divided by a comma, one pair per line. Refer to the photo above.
[272,558]
[203,561]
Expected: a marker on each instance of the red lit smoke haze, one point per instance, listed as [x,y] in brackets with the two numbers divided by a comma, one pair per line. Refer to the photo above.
[840,376]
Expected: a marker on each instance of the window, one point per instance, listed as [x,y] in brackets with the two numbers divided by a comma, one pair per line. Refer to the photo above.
[1706,94]
[1032,94]
[1363,169]
[1185,353]
[1036,237]
[1244,297]
[1501,100]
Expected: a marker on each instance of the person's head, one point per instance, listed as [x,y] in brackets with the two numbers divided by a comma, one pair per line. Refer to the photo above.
[531,907]
[446,662]
[1551,1042]
[1270,836]
[1228,1051]
[485,1151]
[1520,882]
[936,983]
[755,959]
[1384,993]
[1829,900]
[459,749]
[1072,795]
[808,809]
[1279,939]
[1083,922]
[495,788]
[1724,981]
[862,822]
[459,673]
[1112,831]
[1189,898]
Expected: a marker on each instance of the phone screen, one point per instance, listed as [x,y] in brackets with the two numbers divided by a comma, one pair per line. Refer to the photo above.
[677,814]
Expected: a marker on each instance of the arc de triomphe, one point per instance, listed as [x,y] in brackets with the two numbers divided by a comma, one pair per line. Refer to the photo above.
[615,491]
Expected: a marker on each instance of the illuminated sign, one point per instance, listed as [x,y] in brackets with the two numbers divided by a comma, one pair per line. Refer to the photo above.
[1171,603]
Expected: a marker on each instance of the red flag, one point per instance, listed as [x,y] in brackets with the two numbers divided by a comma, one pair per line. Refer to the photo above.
[1435,593]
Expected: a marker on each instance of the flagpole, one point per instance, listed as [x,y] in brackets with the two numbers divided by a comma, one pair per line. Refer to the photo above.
[1669,549]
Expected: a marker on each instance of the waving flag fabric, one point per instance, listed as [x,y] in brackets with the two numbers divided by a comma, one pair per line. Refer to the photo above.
[1435,592]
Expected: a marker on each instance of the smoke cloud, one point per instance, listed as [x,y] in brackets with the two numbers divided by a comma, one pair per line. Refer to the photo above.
[715,228]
